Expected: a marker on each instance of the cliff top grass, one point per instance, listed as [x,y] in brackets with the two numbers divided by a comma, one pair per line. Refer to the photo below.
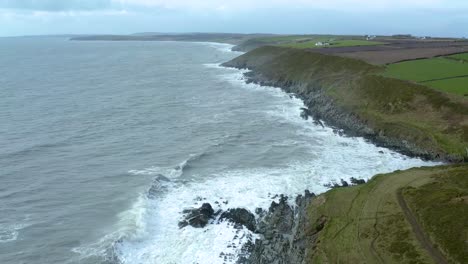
[441,206]
[372,223]
[430,120]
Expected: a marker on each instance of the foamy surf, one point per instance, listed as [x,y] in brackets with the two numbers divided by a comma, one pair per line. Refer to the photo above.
[157,237]
[9,233]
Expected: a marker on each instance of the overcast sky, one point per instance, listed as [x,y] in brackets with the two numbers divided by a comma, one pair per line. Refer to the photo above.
[418,17]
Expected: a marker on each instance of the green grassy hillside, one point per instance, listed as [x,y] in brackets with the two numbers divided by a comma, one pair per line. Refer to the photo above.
[426,120]
[369,223]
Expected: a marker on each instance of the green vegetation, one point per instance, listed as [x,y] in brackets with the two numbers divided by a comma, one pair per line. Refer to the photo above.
[434,123]
[305,41]
[333,44]
[444,74]
[455,85]
[367,224]
[442,209]
[427,69]
[462,56]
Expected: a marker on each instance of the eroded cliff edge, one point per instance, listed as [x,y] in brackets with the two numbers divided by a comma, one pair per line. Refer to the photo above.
[350,95]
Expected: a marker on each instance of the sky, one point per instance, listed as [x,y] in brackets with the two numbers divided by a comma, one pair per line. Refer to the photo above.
[377,17]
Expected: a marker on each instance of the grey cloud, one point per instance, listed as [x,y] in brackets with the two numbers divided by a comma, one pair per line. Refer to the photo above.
[56,5]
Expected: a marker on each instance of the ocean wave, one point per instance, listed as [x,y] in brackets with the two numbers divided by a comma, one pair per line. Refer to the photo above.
[223,47]
[171,172]
[159,239]
[156,237]
[10,232]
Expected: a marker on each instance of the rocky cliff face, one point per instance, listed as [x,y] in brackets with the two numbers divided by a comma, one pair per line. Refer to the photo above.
[348,96]
[285,234]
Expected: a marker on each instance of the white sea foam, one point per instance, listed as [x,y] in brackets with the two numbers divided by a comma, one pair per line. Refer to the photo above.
[223,47]
[10,232]
[158,239]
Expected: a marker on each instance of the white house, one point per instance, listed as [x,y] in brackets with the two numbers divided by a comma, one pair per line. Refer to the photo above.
[318,44]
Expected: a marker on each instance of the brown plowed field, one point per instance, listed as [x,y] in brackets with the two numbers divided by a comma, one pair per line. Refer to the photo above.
[396,51]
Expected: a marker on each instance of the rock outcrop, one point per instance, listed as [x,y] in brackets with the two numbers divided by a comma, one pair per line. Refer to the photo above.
[198,217]
[285,233]
[240,217]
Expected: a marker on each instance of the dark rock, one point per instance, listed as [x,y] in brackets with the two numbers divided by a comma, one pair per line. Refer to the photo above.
[197,217]
[357,181]
[308,194]
[285,235]
[305,113]
[344,183]
[240,217]
[260,212]
[324,107]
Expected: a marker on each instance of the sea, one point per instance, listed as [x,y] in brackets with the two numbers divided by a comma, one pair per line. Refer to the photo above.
[103,145]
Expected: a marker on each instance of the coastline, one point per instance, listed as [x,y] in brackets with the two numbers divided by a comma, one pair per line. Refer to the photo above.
[344,104]
[292,234]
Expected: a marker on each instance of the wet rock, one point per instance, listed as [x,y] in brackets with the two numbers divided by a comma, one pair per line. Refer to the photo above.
[240,217]
[285,236]
[324,107]
[305,113]
[197,217]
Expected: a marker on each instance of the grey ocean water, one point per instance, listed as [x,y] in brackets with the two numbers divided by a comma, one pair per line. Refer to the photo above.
[88,128]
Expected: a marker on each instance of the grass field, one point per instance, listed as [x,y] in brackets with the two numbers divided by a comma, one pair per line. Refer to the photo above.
[366,223]
[427,69]
[463,56]
[444,74]
[338,43]
[455,85]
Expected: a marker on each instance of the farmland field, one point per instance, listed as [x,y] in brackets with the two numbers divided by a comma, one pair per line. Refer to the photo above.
[454,85]
[462,56]
[339,43]
[427,69]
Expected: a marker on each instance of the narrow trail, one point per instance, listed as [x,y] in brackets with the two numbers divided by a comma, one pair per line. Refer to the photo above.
[425,242]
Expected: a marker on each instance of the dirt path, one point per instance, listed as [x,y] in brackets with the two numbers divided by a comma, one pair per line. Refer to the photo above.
[419,233]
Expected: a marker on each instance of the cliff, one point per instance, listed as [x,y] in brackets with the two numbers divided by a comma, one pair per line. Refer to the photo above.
[351,95]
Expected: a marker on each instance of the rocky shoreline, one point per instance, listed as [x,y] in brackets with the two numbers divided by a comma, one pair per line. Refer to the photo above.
[349,96]
[284,231]
[321,107]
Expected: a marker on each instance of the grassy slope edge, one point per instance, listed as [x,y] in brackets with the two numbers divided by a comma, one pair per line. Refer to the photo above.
[366,223]
[434,123]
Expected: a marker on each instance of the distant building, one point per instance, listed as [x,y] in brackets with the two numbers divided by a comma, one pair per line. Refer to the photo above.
[319,44]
